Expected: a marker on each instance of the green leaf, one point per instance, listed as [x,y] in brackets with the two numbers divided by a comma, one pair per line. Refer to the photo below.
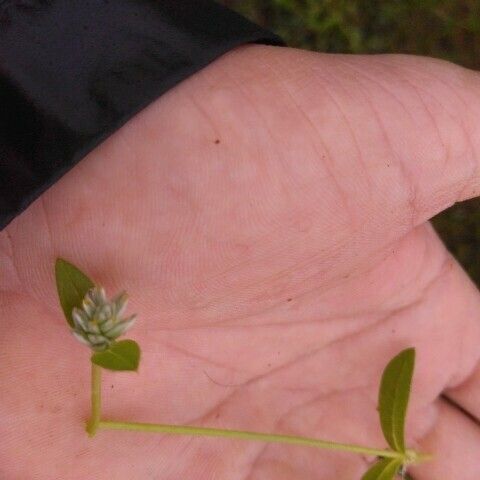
[124,355]
[393,398]
[72,285]
[385,469]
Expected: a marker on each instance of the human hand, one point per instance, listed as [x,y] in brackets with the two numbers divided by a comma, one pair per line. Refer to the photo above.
[269,220]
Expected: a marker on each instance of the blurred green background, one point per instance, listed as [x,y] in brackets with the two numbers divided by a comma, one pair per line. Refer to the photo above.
[448,29]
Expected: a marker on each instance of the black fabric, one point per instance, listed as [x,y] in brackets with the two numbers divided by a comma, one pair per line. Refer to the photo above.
[73,71]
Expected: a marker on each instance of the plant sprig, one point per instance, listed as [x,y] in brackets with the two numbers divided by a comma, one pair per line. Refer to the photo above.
[98,323]
[94,320]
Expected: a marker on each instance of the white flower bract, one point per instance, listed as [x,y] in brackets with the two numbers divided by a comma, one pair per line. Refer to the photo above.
[99,322]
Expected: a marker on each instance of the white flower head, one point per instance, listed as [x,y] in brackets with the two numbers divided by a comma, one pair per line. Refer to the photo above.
[99,322]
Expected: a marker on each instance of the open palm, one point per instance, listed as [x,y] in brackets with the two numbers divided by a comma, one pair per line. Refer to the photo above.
[269,219]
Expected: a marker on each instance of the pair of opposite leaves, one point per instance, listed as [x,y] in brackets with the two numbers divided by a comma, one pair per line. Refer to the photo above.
[394,394]
[72,286]
[393,398]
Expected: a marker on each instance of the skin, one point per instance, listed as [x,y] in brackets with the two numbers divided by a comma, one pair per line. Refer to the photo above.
[269,219]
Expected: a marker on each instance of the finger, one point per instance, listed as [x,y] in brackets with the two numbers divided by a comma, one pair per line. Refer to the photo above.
[455,443]
[467,395]
[400,132]
[457,313]
[450,335]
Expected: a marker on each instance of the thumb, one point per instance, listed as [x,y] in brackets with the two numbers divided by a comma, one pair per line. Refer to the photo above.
[428,113]
[399,135]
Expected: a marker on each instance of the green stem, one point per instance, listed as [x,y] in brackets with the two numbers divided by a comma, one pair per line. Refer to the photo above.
[96,397]
[243,435]
[95,423]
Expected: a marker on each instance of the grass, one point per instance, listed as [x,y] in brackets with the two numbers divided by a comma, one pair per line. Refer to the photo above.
[448,29]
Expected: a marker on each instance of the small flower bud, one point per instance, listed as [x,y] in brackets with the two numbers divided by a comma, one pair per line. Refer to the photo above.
[99,322]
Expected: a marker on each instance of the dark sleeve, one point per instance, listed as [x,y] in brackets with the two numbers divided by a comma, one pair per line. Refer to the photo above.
[74,71]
